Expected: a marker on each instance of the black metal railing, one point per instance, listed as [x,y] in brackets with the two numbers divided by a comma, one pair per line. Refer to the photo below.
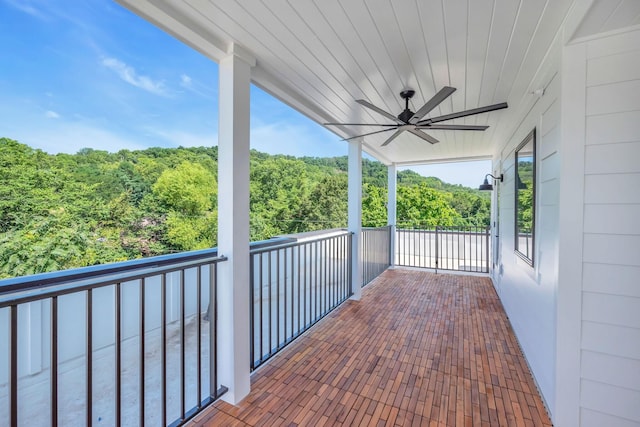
[118,344]
[295,284]
[444,248]
[376,252]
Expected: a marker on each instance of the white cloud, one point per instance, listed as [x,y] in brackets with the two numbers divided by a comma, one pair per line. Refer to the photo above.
[26,7]
[51,115]
[196,87]
[185,81]
[129,75]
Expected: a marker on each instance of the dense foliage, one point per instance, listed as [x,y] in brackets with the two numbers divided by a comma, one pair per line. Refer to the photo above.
[63,211]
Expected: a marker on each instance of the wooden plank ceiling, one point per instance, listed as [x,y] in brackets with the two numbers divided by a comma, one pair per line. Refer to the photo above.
[319,56]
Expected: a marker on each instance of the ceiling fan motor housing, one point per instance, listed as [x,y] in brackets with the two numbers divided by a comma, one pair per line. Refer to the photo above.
[406,114]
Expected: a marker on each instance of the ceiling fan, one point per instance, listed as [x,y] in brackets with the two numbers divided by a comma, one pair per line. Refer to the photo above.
[413,122]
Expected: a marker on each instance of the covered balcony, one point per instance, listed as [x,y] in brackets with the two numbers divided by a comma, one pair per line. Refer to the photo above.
[283,331]
[138,342]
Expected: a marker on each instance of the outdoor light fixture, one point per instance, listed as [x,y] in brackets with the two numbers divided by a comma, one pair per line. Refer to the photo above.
[486,186]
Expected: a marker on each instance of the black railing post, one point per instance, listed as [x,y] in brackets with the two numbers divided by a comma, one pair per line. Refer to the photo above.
[54,361]
[14,366]
[350,255]
[213,326]
[141,311]
[252,327]
[437,250]
[486,236]
[89,350]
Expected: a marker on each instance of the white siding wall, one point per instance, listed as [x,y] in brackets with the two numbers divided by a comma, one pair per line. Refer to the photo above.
[529,293]
[588,146]
[610,349]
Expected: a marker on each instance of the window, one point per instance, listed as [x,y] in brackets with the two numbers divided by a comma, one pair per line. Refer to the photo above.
[525,197]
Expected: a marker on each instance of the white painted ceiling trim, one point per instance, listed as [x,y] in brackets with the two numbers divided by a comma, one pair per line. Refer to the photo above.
[320,56]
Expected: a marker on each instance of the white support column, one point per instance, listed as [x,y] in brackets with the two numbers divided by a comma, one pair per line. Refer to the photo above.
[570,237]
[233,226]
[355,214]
[392,188]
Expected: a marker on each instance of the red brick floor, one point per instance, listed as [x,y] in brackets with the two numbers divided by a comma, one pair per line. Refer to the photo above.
[419,349]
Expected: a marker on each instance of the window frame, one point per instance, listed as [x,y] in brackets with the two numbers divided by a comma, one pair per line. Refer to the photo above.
[530,138]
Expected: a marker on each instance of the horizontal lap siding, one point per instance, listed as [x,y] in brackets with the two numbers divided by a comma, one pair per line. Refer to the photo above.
[610,360]
[528,293]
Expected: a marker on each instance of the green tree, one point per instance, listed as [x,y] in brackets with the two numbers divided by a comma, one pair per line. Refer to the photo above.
[278,187]
[374,206]
[188,192]
[189,189]
[419,205]
[326,206]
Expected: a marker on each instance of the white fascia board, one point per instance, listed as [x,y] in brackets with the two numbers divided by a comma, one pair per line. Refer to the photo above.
[171,18]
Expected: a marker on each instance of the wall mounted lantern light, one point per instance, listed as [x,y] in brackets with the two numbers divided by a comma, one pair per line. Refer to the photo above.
[486,186]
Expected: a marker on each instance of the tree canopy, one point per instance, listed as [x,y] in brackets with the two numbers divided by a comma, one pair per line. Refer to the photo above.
[64,211]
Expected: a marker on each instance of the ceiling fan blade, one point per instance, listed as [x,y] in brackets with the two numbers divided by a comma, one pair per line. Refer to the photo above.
[443,94]
[453,127]
[379,111]
[464,113]
[370,133]
[428,138]
[392,137]
[359,124]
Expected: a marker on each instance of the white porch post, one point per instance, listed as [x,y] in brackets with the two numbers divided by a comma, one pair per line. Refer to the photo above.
[355,214]
[392,188]
[233,225]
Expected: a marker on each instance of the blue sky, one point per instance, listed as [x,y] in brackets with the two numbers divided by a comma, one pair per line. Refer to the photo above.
[77,74]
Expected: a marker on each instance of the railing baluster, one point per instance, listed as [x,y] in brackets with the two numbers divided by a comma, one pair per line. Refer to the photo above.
[142,350]
[183,384]
[464,250]
[118,349]
[292,291]
[252,308]
[350,265]
[486,237]
[284,296]
[89,350]
[316,281]
[421,248]
[323,276]
[261,330]
[13,417]
[298,251]
[54,361]
[345,258]
[269,300]
[307,272]
[278,299]
[163,345]
[199,336]
[213,327]
[334,273]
